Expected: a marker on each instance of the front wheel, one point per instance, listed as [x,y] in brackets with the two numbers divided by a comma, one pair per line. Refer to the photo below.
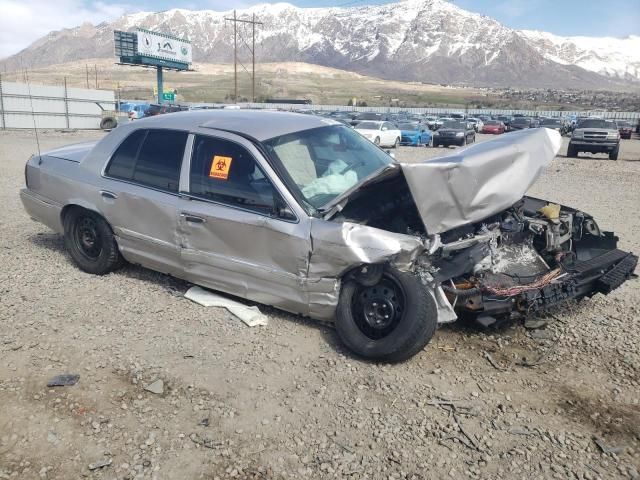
[390,321]
[90,242]
[614,154]
[396,144]
[572,152]
[377,141]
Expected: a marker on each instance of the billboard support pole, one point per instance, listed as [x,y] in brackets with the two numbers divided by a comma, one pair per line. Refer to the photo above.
[160,88]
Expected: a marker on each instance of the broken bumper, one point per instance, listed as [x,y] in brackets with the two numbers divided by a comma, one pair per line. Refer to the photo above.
[601,274]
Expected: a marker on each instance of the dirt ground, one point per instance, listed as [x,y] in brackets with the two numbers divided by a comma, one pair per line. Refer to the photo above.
[287,400]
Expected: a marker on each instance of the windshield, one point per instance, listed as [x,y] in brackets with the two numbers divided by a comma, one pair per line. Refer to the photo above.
[325,162]
[409,126]
[595,123]
[521,120]
[550,122]
[368,126]
[453,124]
[492,122]
[624,124]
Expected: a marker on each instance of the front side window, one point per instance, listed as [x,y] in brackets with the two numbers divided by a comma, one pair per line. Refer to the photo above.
[225,172]
[150,157]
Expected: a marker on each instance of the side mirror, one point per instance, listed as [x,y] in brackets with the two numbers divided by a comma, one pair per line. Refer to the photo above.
[384,129]
[281,209]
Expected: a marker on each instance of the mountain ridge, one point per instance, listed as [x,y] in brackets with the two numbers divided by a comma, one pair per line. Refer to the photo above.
[432,41]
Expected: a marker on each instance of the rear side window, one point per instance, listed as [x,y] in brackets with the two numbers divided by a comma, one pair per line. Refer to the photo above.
[150,157]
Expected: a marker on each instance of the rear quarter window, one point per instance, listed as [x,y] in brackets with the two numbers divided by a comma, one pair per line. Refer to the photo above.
[150,157]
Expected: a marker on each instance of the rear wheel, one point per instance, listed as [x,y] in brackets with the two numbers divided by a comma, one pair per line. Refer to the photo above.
[90,242]
[391,320]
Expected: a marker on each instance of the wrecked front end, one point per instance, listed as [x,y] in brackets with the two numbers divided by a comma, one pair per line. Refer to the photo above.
[528,258]
[483,250]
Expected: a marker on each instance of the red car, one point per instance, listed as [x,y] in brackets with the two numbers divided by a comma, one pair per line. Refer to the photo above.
[625,129]
[494,127]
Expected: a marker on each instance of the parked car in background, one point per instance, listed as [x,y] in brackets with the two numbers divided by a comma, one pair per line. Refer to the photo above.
[135,110]
[520,123]
[554,124]
[430,122]
[477,123]
[595,136]
[414,134]
[625,129]
[454,132]
[442,120]
[160,109]
[383,134]
[494,127]
[506,119]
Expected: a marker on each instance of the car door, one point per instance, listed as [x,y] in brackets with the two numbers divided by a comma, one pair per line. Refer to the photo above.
[240,230]
[139,196]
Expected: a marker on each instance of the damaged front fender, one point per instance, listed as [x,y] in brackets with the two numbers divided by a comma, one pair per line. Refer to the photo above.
[337,247]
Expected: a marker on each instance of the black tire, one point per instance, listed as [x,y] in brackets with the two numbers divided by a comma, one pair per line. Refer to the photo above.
[90,241]
[571,151]
[614,154]
[108,123]
[377,141]
[435,145]
[412,320]
[396,144]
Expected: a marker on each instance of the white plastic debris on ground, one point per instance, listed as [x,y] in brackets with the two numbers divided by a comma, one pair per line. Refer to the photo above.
[251,316]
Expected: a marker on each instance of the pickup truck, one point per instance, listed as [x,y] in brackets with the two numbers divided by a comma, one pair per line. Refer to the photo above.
[595,136]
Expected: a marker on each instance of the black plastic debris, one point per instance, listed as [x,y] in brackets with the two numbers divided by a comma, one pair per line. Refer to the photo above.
[64,380]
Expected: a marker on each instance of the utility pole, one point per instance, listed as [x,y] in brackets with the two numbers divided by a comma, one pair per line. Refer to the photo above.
[87,68]
[252,49]
[96,69]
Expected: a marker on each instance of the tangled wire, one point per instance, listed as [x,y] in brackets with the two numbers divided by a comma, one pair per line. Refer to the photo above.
[540,282]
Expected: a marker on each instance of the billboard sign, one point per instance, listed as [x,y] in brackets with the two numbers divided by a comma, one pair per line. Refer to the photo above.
[163,47]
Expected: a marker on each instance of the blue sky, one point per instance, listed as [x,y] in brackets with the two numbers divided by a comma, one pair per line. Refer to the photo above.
[23,21]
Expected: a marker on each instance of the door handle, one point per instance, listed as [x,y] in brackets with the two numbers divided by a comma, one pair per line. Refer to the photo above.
[107,194]
[192,218]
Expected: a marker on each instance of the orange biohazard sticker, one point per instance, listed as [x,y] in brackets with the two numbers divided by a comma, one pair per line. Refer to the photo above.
[220,167]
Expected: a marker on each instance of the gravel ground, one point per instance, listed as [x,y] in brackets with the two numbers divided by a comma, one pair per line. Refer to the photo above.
[287,400]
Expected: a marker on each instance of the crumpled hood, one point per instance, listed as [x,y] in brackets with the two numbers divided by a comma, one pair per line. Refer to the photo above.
[481,180]
[75,152]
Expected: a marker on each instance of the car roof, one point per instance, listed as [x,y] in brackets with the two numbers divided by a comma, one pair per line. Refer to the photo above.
[261,125]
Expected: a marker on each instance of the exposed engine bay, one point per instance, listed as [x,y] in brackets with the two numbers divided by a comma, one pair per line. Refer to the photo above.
[522,260]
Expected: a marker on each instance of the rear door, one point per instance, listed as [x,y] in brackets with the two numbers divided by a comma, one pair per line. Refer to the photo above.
[241,231]
[140,196]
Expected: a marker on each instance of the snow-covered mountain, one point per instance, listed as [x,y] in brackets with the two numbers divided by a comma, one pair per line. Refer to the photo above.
[419,40]
[612,57]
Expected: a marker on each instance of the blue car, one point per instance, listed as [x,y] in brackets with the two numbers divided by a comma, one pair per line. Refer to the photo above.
[414,133]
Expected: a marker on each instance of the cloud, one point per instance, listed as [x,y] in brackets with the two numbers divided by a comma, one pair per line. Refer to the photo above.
[24,21]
